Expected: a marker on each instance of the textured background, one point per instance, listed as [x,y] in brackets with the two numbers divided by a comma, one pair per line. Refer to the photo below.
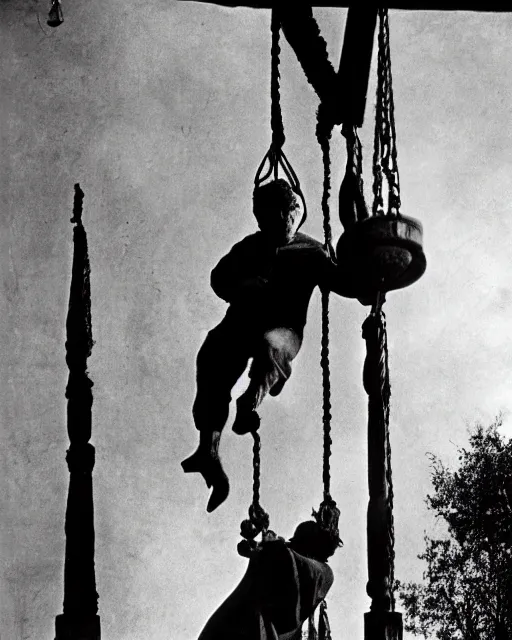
[161,111]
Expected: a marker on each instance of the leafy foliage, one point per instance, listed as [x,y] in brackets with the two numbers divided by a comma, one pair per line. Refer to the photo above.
[467,589]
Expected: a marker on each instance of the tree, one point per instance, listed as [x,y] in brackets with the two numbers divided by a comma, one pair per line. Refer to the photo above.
[467,589]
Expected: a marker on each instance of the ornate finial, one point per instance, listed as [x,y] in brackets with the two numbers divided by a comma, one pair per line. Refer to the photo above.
[77,205]
[55,15]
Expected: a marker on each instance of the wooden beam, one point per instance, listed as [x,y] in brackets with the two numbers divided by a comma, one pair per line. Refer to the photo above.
[355,62]
[408,5]
[343,91]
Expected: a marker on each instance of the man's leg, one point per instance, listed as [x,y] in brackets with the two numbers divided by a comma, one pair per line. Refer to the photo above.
[221,360]
[270,370]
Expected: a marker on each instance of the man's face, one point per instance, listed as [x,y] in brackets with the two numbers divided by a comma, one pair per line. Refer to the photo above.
[281,227]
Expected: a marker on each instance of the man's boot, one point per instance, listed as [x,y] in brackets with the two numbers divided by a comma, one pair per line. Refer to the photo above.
[205,460]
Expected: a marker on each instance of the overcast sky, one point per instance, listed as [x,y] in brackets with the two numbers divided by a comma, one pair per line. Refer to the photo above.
[161,111]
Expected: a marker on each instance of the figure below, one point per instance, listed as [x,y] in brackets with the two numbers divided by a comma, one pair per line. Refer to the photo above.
[283,585]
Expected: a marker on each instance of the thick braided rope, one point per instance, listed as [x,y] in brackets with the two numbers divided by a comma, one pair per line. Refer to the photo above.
[323,133]
[276,117]
[303,34]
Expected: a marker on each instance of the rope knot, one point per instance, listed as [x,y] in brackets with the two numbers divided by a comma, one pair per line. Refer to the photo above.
[327,517]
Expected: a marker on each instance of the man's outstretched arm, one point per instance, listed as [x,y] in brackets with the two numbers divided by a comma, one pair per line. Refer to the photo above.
[338,280]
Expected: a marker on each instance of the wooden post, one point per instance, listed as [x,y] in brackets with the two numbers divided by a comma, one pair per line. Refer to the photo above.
[381,622]
[79,620]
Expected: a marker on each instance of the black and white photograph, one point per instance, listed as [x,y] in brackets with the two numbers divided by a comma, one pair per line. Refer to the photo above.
[255,320]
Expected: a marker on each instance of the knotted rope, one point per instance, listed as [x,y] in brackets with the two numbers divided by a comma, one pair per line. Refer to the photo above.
[328,513]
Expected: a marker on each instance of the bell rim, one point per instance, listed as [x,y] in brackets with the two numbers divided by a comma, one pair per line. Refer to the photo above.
[395,230]
[356,245]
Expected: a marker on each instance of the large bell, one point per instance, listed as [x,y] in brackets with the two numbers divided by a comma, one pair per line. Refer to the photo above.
[55,16]
[381,253]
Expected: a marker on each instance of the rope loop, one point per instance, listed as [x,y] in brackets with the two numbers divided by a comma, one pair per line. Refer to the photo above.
[275,157]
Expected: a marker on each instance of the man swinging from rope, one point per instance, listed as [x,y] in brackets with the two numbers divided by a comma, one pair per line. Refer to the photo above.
[283,585]
[267,279]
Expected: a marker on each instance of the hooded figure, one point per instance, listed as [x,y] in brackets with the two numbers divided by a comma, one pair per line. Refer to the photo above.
[283,585]
[268,279]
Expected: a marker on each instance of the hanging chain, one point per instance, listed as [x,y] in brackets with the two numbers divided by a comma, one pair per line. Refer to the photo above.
[385,162]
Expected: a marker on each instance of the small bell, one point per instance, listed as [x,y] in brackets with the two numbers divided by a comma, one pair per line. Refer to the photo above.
[55,16]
